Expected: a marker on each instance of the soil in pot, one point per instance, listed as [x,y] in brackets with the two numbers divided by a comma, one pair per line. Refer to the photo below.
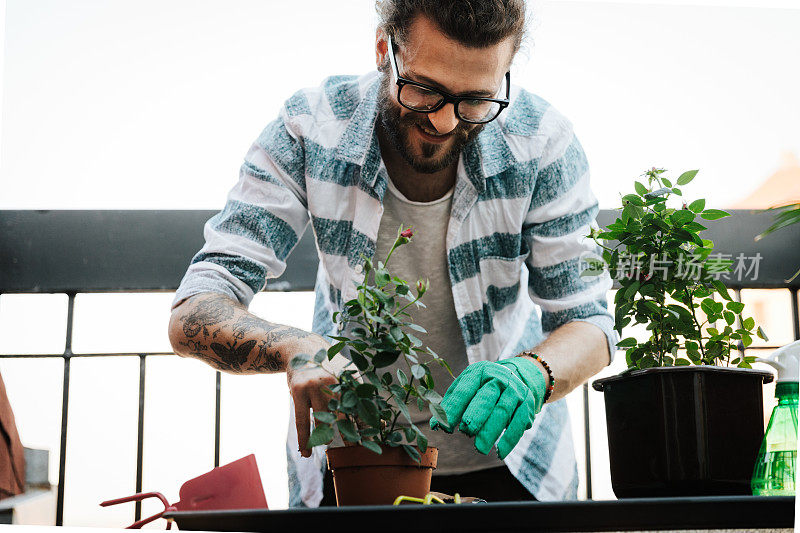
[683,431]
[362,477]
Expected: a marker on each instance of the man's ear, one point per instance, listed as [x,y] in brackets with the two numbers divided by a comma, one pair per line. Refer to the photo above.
[381,48]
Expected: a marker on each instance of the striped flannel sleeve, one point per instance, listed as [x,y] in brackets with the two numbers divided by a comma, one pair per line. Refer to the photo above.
[562,212]
[263,219]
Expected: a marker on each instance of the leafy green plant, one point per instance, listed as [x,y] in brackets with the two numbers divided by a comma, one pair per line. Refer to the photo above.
[367,399]
[669,280]
[786,216]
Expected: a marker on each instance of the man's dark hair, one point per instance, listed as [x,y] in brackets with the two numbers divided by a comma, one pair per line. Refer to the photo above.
[473,23]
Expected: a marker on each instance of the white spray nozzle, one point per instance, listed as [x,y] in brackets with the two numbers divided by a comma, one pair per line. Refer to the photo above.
[785,361]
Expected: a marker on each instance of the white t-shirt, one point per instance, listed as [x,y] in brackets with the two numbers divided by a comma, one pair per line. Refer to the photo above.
[425,257]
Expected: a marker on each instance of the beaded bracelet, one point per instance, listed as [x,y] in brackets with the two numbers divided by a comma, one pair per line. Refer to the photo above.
[551,381]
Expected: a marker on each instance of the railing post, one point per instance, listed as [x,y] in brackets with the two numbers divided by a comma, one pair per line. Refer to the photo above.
[795,313]
[217,419]
[62,457]
[587,441]
[140,436]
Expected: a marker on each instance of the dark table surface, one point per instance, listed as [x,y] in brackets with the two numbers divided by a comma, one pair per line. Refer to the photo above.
[718,512]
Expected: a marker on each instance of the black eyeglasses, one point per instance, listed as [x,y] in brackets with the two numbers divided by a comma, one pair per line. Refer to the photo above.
[426,99]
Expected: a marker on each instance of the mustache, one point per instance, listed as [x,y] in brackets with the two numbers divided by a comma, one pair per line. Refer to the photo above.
[461,130]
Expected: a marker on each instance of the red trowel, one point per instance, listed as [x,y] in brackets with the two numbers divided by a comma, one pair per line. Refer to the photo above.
[234,486]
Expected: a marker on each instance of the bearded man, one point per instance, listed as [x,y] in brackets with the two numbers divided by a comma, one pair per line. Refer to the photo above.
[495,184]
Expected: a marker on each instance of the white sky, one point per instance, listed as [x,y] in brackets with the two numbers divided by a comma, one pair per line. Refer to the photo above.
[152,105]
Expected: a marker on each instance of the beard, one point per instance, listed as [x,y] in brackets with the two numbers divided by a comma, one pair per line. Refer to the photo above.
[430,157]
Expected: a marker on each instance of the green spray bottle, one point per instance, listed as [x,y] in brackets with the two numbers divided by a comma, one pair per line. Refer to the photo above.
[775,472]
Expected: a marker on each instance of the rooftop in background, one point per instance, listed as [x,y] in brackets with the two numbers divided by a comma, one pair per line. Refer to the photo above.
[782,188]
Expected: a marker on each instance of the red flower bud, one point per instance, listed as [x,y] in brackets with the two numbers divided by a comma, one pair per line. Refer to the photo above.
[408,233]
[422,286]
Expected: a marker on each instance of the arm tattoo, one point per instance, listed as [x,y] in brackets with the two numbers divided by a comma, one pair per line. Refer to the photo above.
[268,360]
[220,332]
[206,313]
[233,355]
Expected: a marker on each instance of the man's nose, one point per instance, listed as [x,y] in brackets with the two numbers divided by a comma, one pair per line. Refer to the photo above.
[444,119]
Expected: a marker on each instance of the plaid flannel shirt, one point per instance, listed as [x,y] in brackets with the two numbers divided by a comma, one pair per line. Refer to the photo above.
[521,212]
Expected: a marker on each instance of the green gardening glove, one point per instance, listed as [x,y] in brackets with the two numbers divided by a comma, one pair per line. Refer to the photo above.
[488,399]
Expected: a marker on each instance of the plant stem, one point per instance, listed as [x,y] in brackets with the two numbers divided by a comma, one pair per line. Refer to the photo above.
[696,322]
[397,414]
[405,307]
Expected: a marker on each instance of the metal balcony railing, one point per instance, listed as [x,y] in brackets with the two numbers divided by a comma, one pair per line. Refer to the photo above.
[76,252]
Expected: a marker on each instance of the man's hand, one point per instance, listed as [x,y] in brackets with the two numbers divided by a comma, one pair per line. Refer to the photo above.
[306,385]
[488,399]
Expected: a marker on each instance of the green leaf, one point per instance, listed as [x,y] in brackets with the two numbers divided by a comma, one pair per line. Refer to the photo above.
[631,290]
[383,359]
[349,399]
[714,214]
[396,333]
[761,333]
[360,361]
[322,434]
[366,390]
[299,360]
[445,365]
[401,377]
[640,188]
[736,307]
[729,317]
[416,327]
[687,176]
[627,343]
[648,361]
[373,378]
[695,227]
[414,341]
[721,289]
[422,442]
[697,206]
[633,199]
[749,323]
[332,351]
[348,430]
[418,371]
[325,416]
[369,413]
[381,277]
[682,216]
[372,446]
[412,452]
[439,414]
[432,396]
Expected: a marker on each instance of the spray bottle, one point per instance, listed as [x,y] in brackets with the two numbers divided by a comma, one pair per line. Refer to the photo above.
[775,470]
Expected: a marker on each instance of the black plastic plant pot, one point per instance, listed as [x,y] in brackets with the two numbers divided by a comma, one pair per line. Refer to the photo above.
[683,431]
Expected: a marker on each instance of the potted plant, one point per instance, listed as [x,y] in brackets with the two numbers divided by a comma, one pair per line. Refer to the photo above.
[686,417]
[382,461]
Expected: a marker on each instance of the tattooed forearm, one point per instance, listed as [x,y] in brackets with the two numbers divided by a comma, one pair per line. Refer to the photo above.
[267,360]
[221,332]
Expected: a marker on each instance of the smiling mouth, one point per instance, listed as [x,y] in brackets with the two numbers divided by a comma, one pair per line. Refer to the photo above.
[432,137]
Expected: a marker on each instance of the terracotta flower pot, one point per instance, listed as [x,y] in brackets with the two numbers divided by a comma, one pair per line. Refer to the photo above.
[362,477]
